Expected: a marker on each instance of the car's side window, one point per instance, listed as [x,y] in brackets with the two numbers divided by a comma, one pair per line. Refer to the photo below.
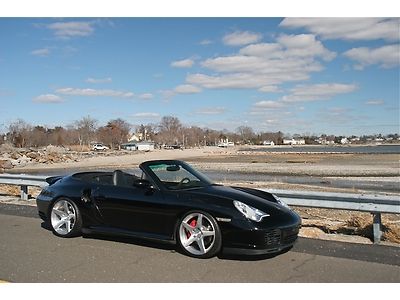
[103,179]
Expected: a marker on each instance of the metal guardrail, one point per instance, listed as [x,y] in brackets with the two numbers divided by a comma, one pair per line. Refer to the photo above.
[374,204]
[24,181]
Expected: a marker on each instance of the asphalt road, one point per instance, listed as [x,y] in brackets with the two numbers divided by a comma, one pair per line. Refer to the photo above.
[30,253]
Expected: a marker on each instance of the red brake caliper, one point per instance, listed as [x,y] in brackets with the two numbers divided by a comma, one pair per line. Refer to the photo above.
[193,224]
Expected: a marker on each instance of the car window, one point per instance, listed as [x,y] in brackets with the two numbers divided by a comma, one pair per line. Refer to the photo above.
[175,176]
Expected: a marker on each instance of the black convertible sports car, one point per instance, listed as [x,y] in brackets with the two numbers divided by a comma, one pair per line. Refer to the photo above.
[169,201]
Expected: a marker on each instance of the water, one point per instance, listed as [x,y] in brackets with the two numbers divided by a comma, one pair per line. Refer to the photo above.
[375,149]
[332,182]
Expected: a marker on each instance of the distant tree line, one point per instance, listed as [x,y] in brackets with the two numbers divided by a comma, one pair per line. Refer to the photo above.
[169,131]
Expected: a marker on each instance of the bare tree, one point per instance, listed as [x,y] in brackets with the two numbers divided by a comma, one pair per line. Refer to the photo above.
[38,136]
[86,128]
[115,132]
[246,133]
[169,130]
[19,132]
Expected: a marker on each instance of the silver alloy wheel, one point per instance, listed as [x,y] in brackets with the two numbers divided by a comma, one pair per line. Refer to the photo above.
[197,233]
[63,217]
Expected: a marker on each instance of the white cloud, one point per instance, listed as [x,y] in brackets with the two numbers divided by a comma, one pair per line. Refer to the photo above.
[386,56]
[263,49]
[316,92]
[147,115]
[290,46]
[211,111]
[99,80]
[225,81]
[48,98]
[184,63]
[205,42]
[240,38]
[375,102]
[348,28]
[245,80]
[187,89]
[94,93]
[180,89]
[268,104]
[269,89]
[146,96]
[41,52]
[305,45]
[67,30]
[265,65]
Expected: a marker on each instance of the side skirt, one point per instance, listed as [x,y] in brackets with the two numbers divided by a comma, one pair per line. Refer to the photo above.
[111,231]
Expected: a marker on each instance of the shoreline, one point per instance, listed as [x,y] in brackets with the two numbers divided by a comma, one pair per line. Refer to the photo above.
[372,172]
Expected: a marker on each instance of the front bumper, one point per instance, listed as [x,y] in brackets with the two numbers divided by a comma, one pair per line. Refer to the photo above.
[251,238]
[263,241]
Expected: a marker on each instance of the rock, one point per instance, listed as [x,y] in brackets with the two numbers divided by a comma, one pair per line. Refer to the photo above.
[311,232]
[6,164]
[15,155]
[5,156]
[33,155]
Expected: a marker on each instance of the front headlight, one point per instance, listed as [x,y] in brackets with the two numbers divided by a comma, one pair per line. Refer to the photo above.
[250,212]
[279,200]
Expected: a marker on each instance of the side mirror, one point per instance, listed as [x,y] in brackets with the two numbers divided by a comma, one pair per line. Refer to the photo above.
[143,184]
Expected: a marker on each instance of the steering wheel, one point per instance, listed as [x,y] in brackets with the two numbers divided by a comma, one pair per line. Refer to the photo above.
[183,181]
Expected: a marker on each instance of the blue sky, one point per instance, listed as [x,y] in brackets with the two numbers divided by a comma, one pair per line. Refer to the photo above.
[297,75]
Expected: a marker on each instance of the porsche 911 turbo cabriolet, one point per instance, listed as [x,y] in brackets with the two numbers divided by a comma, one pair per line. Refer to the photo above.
[169,201]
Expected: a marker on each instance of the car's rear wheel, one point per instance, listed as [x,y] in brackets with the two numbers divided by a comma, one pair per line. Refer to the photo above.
[199,235]
[65,218]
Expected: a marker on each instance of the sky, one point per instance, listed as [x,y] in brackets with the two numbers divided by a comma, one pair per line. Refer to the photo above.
[297,75]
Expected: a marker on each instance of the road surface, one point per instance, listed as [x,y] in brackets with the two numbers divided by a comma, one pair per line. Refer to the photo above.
[30,253]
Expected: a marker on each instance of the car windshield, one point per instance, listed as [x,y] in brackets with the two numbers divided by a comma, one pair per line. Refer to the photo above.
[177,176]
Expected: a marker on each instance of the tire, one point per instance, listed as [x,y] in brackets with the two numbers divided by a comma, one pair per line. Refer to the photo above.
[199,235]
[65,218]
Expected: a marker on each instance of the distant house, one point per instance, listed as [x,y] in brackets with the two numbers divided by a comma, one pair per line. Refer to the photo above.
[344,141]
[294,142]
[134,137]
[139,146]
[268,143]
[224,143]
[145,146]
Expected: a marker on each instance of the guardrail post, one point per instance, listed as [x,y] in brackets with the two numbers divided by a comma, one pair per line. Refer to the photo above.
[24,192]
[377,227]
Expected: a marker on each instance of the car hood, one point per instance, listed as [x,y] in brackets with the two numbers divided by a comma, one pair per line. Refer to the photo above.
[266,203]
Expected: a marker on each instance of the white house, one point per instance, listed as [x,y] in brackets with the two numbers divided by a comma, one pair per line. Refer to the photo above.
[139,146]
[268,143]
[134,137]
[294,142]
[145,146]
[225,143]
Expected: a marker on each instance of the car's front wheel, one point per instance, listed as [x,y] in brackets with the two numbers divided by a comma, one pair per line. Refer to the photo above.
[65,218]
[199,235]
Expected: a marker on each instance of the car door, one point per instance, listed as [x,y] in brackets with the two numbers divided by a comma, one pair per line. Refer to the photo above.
[139,210]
